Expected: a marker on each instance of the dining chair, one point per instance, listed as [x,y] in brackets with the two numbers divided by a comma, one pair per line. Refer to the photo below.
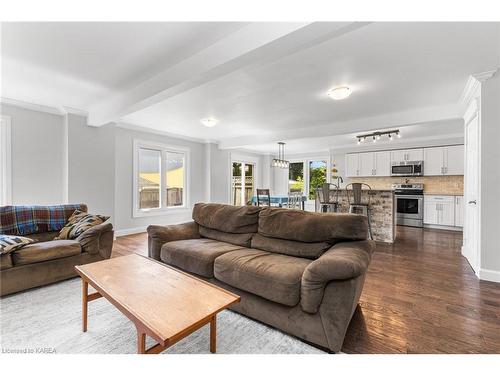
[358,205]
[294,199]
[327,197]
[263,197]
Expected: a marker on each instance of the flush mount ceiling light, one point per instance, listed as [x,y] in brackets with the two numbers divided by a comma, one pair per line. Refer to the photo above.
[209,122]
[375,136]
[339,93]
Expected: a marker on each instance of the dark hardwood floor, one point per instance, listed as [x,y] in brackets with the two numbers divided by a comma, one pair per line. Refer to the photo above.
[420,296]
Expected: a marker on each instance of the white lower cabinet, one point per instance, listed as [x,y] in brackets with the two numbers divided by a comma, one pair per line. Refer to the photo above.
[459,211]
[442,210]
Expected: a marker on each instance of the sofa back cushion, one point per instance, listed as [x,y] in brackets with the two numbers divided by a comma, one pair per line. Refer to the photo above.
[23,220]
[227,218]
[240,239]
[311,250]
[297,225]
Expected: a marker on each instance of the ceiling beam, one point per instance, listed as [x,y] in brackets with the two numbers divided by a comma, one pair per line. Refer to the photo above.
[255,43]
[390,120]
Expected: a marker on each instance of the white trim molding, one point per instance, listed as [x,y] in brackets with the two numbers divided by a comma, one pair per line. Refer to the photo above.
[6,161]
[31,106]
[473,83]
[489,275]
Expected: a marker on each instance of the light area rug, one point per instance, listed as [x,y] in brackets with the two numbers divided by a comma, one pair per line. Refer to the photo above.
[49,318]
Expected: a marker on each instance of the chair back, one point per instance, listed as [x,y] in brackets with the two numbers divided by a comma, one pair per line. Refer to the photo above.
[263,197]
[354,193]
[294,199]
[324,193]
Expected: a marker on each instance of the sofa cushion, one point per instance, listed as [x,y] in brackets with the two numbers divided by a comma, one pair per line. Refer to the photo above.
[240,239]
[311,250]
[297,225]
[271,276]
[227,218]
[44,236]
[42,251]
[195,255]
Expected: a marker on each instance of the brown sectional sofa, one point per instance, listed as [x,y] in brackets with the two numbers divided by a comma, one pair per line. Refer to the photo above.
[298,271]
[47,261]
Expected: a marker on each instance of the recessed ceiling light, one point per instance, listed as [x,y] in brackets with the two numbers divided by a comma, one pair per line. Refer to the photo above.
[339,93]
[209,122]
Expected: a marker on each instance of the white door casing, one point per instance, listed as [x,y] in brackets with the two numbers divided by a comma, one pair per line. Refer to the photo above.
[472,239]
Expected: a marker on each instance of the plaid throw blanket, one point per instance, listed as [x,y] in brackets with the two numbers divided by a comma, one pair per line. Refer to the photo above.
[22,220]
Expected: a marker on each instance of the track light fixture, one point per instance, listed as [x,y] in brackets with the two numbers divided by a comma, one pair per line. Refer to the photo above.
[376,136]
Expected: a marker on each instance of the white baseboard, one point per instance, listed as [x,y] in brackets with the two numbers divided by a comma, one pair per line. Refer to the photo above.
[126,232]
[489,275]
[443,227]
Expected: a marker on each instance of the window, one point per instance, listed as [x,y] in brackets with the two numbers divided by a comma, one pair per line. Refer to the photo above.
[160,178]
[317,176]
[242,183]
[296,177]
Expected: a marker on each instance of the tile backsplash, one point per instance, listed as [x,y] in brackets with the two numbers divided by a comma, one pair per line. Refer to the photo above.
[443,185]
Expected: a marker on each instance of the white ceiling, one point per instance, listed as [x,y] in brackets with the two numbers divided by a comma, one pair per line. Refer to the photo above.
[264,82]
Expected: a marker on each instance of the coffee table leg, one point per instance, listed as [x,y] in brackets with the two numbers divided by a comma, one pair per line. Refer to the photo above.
[141,342]
[213,334]
[85,293]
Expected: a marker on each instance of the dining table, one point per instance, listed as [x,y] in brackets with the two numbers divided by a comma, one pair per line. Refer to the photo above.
[281,200]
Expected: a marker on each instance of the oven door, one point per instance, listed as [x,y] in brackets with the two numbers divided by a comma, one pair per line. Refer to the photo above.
[410,207]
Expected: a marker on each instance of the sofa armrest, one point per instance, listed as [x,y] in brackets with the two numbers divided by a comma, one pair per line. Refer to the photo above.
[98,240]
[158,235]
[343,261]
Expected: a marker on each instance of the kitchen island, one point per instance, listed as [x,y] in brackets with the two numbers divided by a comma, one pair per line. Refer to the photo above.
[382,215]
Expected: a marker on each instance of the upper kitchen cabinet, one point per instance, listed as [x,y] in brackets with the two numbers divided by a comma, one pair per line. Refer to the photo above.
[382,163]
[412,154]
[368,164]
[352,165]
[444,161]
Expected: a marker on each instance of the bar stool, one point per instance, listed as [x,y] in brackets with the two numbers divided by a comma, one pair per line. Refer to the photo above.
[356,204]
[324,198]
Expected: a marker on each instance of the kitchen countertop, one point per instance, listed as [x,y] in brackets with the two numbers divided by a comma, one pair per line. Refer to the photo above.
[449,194]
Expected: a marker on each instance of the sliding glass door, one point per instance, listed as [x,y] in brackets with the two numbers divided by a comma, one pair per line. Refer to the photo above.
[242,183]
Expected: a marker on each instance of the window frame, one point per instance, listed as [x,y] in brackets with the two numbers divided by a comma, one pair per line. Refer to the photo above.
[164,149]
[244,159]
[306,162]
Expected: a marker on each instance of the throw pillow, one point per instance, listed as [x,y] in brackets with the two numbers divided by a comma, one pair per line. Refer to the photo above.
[9,243]
[78,223]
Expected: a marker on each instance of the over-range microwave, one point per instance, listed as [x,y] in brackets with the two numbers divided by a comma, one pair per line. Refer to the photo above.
[407,168]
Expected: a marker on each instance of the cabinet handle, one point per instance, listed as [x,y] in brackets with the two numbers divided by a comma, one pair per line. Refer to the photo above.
[473,202]
[445,169]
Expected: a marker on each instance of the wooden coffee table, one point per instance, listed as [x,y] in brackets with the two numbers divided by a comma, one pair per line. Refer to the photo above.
[163,302]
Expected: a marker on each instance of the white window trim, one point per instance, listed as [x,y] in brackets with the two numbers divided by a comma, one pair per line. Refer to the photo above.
[6,159]
[246,159]
[163,148]
[306,171]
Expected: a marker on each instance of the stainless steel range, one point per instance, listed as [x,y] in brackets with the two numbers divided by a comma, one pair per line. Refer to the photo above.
[409,204]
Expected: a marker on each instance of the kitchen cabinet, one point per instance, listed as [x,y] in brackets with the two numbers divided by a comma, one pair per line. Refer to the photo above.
[459,211]
[454,160]
[411,154]
[444,161]
[439,210]
[352,165]
[382,163]
[368,164]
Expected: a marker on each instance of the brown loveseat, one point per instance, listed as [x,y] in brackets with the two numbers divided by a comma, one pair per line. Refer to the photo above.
[48,260]
[298,271]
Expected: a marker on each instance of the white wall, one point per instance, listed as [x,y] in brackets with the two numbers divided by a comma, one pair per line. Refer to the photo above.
[123,169]
[91,165]
[37,156]
[490,178]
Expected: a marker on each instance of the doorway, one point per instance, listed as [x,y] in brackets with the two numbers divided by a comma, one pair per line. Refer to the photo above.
[242,182]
